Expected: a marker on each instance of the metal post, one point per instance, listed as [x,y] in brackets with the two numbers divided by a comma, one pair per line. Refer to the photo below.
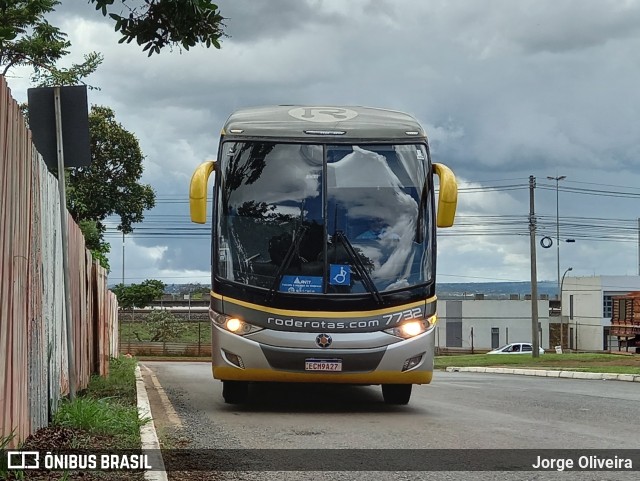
[65,246]
[534,274]
[472,350]
[558,235]
[558,179]
[123,259]
[561,317]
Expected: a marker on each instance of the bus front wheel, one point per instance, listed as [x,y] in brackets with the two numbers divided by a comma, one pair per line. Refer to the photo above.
[235,392]
[396,393]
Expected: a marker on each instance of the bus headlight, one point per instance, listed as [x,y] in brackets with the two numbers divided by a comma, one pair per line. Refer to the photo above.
[234,324]
[411,329]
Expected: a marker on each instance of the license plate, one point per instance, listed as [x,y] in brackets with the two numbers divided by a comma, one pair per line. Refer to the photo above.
[331,365]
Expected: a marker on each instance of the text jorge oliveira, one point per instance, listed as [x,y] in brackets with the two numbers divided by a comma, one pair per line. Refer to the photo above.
[591,462]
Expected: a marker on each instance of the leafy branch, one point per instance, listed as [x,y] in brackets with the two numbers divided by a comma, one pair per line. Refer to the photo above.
[161,23]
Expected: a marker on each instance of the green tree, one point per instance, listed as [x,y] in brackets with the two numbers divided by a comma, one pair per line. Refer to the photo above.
[52,76]
[110,185]
[93,239]
[162,326]
[160,23]
[26,38]
[197,291]
[138,295]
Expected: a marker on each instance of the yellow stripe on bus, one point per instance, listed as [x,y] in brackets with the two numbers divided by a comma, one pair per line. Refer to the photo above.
[227,373]
[325,314]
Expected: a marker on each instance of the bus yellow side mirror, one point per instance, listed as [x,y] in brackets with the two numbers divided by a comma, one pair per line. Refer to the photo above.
[198,192]
[448,196]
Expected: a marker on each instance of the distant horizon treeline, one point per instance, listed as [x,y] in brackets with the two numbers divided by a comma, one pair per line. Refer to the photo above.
[521,288]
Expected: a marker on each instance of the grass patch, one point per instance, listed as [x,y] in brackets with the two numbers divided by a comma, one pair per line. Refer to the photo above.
[107,407]
[608,363]
[104,417]
[119,384]
[101,417]
[4,444]
[191,333]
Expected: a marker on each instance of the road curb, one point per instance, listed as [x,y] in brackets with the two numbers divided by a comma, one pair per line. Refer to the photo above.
[148,435]
[601,376]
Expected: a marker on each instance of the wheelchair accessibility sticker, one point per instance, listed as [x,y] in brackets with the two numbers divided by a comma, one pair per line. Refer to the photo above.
[301,284]
[339,275]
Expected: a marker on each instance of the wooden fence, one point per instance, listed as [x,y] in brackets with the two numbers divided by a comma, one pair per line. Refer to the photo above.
[33,346]
[182,349]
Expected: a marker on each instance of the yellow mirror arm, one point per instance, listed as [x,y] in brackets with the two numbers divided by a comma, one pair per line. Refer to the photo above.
[198,192]
[448,196]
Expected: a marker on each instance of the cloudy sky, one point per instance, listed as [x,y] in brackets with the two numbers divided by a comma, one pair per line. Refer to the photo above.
[504,89]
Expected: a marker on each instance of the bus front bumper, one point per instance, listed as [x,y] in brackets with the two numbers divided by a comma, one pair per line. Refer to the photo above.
[237,358]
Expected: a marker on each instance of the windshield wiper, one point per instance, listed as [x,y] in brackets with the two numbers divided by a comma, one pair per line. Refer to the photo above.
[360,268]
[421,208]
[293,248]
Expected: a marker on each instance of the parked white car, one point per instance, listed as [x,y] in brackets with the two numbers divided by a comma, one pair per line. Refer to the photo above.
[515,348]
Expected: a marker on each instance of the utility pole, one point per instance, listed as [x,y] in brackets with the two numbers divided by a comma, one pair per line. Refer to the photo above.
[534,272]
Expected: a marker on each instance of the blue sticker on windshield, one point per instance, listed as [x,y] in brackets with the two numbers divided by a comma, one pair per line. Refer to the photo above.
[339,275]
[301,284]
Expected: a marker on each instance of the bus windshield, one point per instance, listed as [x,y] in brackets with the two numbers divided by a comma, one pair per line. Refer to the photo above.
[331,219]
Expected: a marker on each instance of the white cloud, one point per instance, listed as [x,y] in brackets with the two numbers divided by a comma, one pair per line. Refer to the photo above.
[504,89]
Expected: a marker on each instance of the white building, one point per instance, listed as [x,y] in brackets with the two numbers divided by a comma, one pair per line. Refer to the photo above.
[587,309]
[488,324]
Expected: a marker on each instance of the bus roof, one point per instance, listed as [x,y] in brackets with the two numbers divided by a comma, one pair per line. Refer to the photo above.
[307,122]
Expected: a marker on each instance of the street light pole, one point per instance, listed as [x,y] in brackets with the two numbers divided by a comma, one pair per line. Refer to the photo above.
[561,321]
[558,179]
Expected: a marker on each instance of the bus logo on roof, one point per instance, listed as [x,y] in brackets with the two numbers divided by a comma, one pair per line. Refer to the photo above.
[322,114]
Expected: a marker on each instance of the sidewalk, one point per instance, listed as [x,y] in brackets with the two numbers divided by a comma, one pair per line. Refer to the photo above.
[543,373]
[148,435]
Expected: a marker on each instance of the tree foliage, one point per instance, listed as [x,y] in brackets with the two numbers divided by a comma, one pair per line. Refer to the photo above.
[52,76]
[195,290]
[162,326]
[138,295]
[160,23]
[110,185]
[93,239]
[26,38]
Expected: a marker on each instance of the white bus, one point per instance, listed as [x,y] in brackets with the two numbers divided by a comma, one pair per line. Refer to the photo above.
[323,248]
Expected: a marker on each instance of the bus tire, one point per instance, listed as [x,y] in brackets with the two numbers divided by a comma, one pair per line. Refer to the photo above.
[235,392]
[396,393]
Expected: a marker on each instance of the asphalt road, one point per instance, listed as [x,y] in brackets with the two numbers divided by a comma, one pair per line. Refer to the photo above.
[471,411]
